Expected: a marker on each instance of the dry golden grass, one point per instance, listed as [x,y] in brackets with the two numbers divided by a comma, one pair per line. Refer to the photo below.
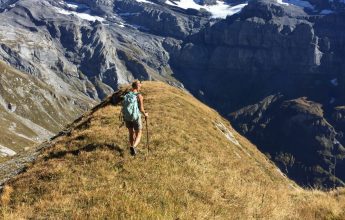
[6,195]
[192,172]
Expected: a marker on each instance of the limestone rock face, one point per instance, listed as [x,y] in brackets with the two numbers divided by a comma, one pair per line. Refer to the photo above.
[266,43]
[267,49]
[77,51]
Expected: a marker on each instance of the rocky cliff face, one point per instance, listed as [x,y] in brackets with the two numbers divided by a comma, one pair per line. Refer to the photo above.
[298,136]
[267,48]
[62,43]
[271,48]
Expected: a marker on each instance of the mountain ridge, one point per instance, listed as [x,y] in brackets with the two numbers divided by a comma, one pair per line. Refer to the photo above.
[87,172]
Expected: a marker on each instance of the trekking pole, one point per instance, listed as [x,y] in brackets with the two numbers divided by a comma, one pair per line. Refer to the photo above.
[122,121]
[147,136]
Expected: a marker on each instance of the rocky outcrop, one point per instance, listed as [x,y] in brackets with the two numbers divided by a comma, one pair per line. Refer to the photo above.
[18,164]
[5,3]
[297,136]
[162,21]
[338,117]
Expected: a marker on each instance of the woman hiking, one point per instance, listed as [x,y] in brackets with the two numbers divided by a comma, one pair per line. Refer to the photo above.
[133,107]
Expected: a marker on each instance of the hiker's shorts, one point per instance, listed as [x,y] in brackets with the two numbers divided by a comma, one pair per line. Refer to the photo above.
[136,125]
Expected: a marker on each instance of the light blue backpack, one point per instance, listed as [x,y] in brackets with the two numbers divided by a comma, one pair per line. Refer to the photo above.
[130,108]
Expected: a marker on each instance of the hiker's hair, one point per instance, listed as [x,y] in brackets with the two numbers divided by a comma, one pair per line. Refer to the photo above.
[135,84]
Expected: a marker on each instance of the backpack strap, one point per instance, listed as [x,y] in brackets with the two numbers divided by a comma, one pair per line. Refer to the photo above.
[136,94]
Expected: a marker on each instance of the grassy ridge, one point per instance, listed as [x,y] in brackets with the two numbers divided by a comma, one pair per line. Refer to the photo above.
[195,170]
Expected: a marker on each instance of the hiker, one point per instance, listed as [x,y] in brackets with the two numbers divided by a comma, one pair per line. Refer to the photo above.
[133,106]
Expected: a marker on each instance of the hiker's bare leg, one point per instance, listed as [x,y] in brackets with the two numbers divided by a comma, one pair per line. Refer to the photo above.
[137,137]
[131,136]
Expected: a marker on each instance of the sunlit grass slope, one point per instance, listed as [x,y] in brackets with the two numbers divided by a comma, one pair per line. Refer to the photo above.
[37,111]
[195,169]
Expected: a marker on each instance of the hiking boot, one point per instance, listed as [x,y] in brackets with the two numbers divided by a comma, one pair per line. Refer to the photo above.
[133,151]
